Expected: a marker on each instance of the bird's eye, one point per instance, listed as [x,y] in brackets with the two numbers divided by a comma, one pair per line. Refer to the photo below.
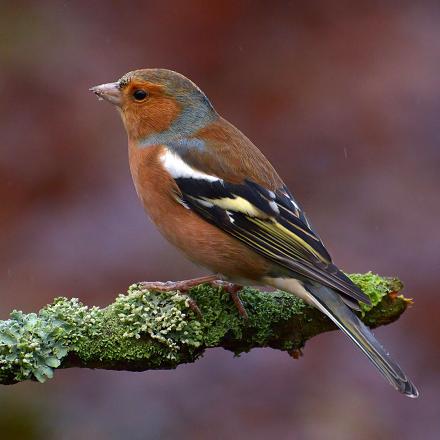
[139,95]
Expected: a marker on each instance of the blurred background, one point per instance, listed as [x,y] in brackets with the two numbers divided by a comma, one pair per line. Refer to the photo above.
[344,99]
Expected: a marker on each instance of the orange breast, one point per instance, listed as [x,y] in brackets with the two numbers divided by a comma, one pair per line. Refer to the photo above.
[203,243]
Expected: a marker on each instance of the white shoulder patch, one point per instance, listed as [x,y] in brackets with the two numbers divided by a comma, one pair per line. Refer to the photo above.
[178,168]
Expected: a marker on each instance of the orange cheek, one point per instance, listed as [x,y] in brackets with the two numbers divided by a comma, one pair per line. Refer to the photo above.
[154,116]
[163,111]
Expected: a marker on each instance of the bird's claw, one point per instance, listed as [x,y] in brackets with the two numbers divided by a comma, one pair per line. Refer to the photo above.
[233,290]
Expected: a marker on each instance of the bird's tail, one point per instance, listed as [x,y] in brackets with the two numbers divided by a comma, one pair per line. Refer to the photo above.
[331,304]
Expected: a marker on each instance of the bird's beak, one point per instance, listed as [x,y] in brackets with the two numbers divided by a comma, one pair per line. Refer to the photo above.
[110,92]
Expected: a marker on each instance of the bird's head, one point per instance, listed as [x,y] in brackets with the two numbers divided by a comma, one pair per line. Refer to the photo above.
[157,102]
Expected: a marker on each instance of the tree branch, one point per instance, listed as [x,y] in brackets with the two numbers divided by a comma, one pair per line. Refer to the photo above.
[146,330]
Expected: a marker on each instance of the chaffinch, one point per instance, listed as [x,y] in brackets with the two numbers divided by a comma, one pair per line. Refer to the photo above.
[213,194]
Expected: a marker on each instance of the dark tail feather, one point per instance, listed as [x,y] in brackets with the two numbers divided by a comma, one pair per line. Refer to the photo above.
[330,303]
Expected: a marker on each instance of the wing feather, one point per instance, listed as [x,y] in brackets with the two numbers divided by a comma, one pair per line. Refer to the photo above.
[271,222]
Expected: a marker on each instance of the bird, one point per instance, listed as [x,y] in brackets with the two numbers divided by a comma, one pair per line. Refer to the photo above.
[214,195]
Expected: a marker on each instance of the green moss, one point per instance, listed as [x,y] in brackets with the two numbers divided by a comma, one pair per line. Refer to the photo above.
[221,318]
[219,315]
[269,308]
[376,287]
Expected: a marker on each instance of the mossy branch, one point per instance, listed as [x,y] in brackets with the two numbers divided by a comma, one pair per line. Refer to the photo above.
[146,330]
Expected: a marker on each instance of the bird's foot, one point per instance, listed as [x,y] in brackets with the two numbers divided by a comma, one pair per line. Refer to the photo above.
[181,287]
[233,290]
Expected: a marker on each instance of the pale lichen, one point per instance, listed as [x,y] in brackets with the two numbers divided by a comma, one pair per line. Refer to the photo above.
[32,345]
[162,316]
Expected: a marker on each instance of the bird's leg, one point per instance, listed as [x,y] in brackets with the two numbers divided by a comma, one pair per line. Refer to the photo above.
[233,290]
[181,287]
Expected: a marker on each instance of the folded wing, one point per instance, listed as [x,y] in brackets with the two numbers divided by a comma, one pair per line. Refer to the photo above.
[270,222]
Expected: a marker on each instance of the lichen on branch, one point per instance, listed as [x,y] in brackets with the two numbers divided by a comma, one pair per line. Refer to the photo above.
[145,330]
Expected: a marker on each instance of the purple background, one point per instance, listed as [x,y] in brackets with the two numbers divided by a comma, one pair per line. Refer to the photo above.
[344,99]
